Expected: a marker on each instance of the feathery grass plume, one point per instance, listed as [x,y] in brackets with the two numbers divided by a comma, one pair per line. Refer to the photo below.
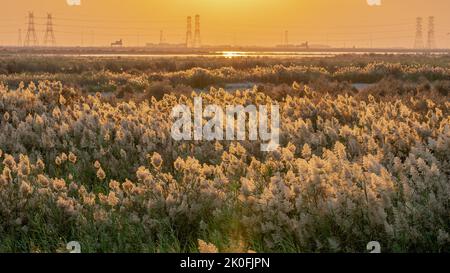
[350,166]
[101,174]
[72,158]
[156,160]
[204,247]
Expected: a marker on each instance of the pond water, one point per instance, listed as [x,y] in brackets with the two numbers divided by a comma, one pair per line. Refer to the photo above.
[230,54]
[362,86]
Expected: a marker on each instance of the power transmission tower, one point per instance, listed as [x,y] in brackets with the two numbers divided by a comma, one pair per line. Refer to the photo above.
[82,37]
[49,34]
[286,38]
[197,37]
[189,32]
[20,42]
[31,38]
[161,37]
[418,44]
[431,42]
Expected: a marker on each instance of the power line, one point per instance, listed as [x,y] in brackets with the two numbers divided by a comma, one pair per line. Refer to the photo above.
[194,39]
[273,26]
[109,34]
[104,27]
[111,20]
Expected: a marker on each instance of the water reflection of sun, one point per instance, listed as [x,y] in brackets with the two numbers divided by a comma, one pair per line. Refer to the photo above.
[232,54]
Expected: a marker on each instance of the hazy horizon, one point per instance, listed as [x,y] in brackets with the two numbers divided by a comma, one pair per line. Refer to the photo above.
[343,23]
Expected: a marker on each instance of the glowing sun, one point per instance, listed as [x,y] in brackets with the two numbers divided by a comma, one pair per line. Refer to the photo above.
[74,2]
[374,2]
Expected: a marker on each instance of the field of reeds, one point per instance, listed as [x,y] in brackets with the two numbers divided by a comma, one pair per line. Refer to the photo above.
[86,155]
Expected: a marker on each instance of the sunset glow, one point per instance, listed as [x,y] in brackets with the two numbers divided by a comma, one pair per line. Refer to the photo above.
[348,23]
[232,54]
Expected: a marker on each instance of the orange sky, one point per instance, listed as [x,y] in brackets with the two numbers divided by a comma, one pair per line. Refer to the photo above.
[242,22]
